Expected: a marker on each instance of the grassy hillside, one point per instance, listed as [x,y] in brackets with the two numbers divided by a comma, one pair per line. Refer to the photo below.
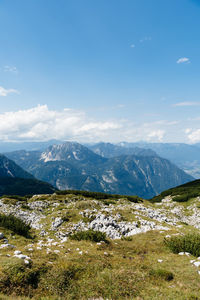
[181,193]
[133,255]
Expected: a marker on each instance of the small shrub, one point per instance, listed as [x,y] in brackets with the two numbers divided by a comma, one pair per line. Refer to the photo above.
[163,274]
[83,204]
[192,297]
[185,197]
[187,243]
[15,224]
[19,279]
[52,257]
[58,281]
[126,238]
[88,219]
[17,197]
[99,195]
[25,206]
[108,202]
[181,198]
[10,201]
[134,199]
[68,216]
[89,235]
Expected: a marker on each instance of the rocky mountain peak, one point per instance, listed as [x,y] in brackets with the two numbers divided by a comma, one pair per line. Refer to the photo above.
[69,151]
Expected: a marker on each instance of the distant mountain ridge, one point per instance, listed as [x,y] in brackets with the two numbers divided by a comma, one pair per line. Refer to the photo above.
[74,166]
[28,146]
[110,150]
[186,157]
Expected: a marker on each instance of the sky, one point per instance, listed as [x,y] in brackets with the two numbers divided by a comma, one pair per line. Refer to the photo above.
[100,70]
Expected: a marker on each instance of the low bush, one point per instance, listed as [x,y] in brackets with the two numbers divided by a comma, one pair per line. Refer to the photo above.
[19,279]
[88,219]
[15,224]
[187,243]
[108,202]
[9,201]
[99,195]
[181,198]
[25,206]
[16,197]
[127,238]
[185,197]
[89,235]
[58,282]
[69,216]
[134,199]
[84,204]
[162,274]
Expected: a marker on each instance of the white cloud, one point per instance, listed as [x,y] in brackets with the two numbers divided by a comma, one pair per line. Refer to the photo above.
[188,130]
[132,46]
[41,123]
[11,69]
[157,135]
[4,92]
[186,104]
[193,135]
[183,60]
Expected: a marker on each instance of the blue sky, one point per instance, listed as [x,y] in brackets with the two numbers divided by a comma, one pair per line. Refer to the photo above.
[108,70]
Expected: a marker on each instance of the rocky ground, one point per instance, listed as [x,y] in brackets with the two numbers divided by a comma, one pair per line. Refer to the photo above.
[54,218]
[59,216]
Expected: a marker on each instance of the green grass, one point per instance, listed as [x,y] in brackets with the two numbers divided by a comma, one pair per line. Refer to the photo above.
[89,235]
[127,268]
[16,277]
[182,193]
[99,196]
[15,225]
[129,271]
[16,197]
[162,274]
[187,243]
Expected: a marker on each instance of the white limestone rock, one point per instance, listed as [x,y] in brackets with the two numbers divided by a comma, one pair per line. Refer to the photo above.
[57,222]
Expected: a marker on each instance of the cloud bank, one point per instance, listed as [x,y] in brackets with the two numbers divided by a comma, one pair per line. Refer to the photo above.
[41,123]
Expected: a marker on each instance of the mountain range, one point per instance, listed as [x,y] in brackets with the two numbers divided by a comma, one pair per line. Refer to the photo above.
[185,156]
[73,166]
